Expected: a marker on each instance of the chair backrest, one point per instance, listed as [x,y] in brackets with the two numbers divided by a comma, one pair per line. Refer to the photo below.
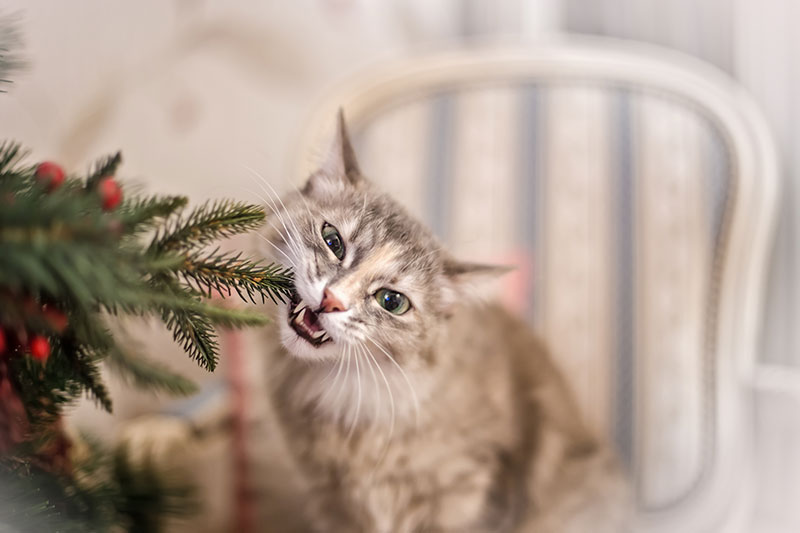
[635,190]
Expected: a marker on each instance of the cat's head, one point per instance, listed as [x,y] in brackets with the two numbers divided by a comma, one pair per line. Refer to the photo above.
[369,278]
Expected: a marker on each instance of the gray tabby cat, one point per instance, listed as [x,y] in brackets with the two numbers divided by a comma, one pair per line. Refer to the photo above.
[407,404]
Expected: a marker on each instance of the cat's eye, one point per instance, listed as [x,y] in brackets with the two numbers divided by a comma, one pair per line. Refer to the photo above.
[395,302]
[334,241]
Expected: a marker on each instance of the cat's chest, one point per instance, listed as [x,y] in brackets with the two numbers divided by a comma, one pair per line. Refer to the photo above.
[434,477]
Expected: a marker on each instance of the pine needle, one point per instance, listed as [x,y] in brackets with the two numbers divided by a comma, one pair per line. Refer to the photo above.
[229,272]
[67,268]
[207,223]
[148,374]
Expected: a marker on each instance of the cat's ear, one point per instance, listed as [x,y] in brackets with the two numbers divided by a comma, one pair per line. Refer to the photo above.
[470,281]
[340,167]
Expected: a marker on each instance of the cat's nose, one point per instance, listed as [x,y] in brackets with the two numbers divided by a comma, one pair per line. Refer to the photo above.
[330,303]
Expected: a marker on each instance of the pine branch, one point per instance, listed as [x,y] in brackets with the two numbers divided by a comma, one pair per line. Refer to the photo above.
[30,213]
[70,261]
[29,502]
[103,169]
[45,388]
[207,223]
[9,41]
[89,274]
[195,333]
[148,374]
[227,272]
[83,274]
[192,326]
[88,375]
[143,213]
[233,318]
[109,492]
[11,154]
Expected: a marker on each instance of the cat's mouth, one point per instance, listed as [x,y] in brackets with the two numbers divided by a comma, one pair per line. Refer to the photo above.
[305,322]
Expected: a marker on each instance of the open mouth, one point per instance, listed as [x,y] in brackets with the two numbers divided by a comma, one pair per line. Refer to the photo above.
[305,322]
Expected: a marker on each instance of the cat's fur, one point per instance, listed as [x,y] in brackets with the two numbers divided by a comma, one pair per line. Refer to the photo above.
[449,418]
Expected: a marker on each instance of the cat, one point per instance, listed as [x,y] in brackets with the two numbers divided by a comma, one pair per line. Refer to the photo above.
[406,401]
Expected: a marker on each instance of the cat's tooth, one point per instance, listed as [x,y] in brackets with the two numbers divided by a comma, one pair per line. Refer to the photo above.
[324,338]
[299,318]
[318,334]
[301,305]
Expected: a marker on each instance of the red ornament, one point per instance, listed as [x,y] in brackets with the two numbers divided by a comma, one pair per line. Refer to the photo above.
[40,348]
[55,318]
[50,175]
[110,193]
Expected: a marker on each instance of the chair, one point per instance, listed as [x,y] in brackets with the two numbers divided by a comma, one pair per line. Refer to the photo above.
[636,190]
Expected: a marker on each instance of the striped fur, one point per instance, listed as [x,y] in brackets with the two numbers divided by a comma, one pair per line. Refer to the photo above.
[451,417]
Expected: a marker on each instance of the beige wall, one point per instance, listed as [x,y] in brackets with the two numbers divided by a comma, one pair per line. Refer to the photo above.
[197,93]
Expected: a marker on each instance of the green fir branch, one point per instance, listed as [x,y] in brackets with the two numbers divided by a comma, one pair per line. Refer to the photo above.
[88,375]
[196,335]
[11,153]
[147,374]
[142,213]
[229,272]
[32,500]
[104,168]
[45,388]
[207,223]
[144,258]
[232,318]
[10,40]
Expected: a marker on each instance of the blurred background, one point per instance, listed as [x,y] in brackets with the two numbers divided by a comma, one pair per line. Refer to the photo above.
[198,94]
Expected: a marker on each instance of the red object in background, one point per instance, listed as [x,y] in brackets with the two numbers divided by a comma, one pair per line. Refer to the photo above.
[40,348]
[13,420]
[245,499]
[110,193]
[2,341]
[56,318]
[50,175]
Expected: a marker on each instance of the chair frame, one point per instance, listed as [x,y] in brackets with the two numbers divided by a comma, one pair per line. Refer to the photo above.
[724,500]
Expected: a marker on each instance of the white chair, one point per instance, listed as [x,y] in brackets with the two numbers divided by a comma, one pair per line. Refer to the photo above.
[636,189]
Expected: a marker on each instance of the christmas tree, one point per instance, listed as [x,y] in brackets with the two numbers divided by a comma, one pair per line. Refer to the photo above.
[76,255]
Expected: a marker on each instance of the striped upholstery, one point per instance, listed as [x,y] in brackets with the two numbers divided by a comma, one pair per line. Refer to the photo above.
[635,191]
[611,200]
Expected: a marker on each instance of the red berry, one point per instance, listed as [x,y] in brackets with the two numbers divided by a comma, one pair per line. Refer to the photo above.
[50,175]
[110,193]
[56,319]
[40,348]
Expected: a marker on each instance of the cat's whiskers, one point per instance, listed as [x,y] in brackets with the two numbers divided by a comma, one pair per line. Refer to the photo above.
[291,239]
[275,195]
[339,366]
[330,372]
[294,265]
[391,407]
[274,206]
[377,406]
[358,400]
[286,236]
[405,377]
[343,386]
